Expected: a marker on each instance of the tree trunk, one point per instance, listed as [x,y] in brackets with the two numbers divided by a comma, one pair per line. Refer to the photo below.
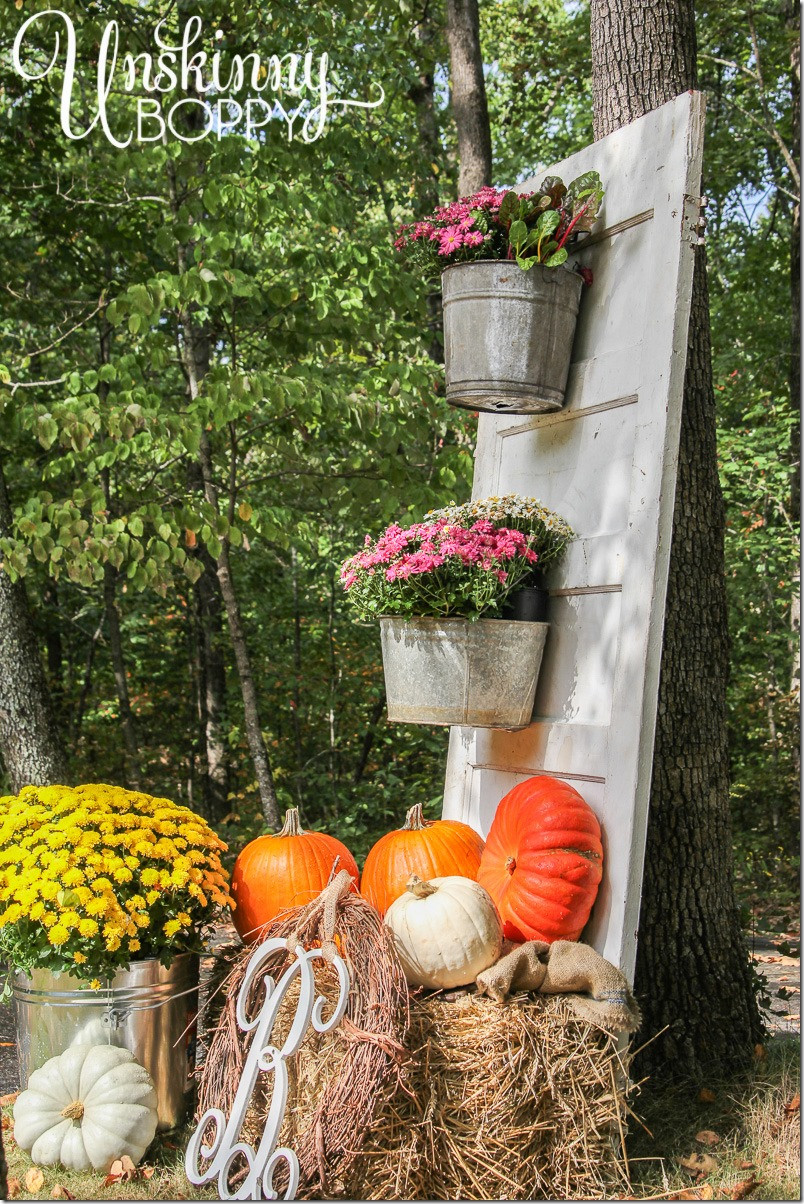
[195,359]
[295,705]
[30,739]
[693,972]
[368,739]
[237,634]
[78,715]
[54,645]
[127,721]
[212,684]
[468,89]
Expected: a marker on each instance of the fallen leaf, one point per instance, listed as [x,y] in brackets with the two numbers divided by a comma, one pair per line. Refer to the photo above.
[8,1099]
[707,1137]
[147,1172]
[705,1096]
[760,1053]
[34,1180]
[698,1164]
[746,1166]
[794,1105]
[14,1187]
[121,1171]
[743,1189]
[60,1192]
[6,1123]
[704,1192]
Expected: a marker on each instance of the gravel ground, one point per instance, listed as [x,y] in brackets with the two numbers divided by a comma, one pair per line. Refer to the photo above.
[782,1004]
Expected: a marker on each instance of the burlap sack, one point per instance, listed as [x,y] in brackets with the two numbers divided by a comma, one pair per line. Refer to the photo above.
[566,966]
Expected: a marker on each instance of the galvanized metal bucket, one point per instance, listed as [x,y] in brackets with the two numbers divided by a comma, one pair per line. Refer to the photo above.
[148,1009]
[508,335]
[454,672]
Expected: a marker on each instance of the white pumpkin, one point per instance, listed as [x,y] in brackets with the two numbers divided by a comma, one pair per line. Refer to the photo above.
[85,1108]
[445,931]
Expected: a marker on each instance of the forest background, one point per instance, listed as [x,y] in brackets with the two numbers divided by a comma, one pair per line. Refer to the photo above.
[217,377]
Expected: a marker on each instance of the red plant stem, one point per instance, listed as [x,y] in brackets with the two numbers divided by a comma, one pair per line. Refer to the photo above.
[574,222]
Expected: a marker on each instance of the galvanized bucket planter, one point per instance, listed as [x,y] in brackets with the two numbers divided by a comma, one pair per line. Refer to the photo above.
[508,335]
[147,1009]
[453,672]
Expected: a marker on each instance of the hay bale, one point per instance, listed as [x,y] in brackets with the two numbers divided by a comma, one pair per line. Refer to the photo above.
[521,1101]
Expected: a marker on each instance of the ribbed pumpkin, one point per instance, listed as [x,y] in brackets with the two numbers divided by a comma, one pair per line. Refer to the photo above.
[445,931]
[285,870]
[543,861]
[432,849]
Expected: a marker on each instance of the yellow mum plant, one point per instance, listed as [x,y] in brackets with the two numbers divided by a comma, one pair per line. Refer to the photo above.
[95,877]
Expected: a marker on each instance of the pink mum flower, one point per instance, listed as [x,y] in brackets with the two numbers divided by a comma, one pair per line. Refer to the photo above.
[450,240]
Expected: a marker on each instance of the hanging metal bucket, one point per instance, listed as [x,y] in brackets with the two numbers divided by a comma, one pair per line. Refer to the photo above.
[451,671]
[148,1009]
[508,335]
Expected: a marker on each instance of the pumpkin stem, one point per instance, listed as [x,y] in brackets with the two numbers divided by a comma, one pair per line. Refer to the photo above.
[73,1111]
[414,820]
[420,889]
[291,826]
[510,864]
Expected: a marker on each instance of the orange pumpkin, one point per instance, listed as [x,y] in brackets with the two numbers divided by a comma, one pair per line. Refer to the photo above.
[543,861]
[440,848]
[286,870]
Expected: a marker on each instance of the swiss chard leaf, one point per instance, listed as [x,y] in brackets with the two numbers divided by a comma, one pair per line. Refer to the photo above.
[555,189]
[517,234]
[509,209]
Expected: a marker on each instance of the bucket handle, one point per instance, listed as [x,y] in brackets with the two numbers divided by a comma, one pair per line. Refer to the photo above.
[115,1017]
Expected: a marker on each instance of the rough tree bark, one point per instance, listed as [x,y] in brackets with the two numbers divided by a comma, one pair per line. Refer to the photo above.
[237,634]
[468,89]
[210,669]
[693,972]
[30,740]
[127,722]
[212,691]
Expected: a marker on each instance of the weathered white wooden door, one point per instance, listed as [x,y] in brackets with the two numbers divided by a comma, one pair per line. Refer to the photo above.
[607,464]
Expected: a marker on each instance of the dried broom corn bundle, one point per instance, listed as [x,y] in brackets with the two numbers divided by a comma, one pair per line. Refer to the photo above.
[340,1079]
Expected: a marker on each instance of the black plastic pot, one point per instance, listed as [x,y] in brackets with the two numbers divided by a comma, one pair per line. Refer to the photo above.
[529,604]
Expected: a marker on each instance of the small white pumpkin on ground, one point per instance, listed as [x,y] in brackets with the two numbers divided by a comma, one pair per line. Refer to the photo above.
[445,931]
[85,1108]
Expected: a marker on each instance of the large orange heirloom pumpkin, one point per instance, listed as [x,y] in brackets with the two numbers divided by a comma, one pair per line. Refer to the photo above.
[543,861]
[439,848]
[286,870]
